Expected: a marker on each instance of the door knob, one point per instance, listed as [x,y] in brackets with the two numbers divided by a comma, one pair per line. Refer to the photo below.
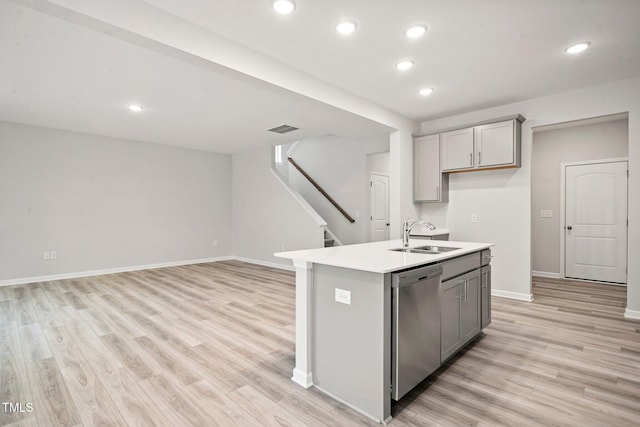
[569,227]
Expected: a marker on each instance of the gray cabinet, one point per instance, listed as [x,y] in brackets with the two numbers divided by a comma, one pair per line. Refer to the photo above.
[457,149]
[485,296]
[497,144]
[443,236]
[429,184]
[485,146]
[460,312]
[449,318]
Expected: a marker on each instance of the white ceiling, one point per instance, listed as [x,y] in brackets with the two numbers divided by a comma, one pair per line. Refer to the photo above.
[476,54]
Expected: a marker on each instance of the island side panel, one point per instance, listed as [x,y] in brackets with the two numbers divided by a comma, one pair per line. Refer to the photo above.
[352,342]
[303,371]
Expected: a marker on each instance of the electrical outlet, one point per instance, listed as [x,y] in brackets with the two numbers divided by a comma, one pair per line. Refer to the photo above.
[474,217]
[46,255]
[343,296]
[54,255]
[215,243]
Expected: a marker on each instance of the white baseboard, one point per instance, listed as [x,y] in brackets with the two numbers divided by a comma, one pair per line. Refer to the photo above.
[305,379]
[36,279]
[546,274]
[632,314]
[264,263]
[512,295]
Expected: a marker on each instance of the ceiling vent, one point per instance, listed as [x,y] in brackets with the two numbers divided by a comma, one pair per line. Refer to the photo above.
[283,129]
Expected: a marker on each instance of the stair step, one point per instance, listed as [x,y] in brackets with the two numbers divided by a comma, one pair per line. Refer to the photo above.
[328,243]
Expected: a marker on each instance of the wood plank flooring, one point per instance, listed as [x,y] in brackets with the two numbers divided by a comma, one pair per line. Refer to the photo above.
[213,344]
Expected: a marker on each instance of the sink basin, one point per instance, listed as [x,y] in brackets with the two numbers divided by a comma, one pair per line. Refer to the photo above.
[438,249]
[433,250]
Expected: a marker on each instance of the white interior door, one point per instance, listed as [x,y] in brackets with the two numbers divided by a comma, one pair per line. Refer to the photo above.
[379,207]
[596,221]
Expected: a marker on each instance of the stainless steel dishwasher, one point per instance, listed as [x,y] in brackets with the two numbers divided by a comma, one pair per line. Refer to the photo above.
[415,327]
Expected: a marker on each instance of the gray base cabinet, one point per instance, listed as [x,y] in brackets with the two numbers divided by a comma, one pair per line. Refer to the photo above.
[485,297]
[460,312]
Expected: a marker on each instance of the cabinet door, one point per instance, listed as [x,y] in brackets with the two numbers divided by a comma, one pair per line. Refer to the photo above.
[470,306]
[426,169]
[457,149]
[495,144]
[485,297]
[450,317]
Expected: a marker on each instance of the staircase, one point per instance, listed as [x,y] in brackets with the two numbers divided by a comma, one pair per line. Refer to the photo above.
[330,239]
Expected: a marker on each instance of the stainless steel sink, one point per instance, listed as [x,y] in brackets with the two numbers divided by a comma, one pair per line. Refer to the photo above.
[437,248]
[433,250]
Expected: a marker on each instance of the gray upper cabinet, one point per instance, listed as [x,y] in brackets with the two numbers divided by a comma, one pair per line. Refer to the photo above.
[485,146]
[429,184]
[457,149]
[496,145]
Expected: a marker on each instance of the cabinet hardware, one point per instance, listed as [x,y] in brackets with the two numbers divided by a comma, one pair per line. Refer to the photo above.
[470,159]
[479,158]
[466,290]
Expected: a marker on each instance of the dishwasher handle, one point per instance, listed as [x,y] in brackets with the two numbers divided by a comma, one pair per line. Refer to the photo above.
[410,277]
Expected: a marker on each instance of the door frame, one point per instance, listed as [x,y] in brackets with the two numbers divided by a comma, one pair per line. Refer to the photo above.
[563,184]
[369,197]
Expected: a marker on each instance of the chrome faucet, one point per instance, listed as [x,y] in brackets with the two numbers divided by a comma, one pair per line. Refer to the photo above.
[407,226]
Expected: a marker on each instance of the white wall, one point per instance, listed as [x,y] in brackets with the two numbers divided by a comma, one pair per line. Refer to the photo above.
[266,217]
[401,181]
[379,162]
[339,166]
[104,203]
[580,141]
[502,199]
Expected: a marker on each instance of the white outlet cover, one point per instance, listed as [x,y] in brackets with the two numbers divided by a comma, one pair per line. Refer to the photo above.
[343,296]
[474,217]
[54,255]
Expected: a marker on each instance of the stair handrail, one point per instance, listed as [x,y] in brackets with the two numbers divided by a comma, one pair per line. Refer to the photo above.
[321,190]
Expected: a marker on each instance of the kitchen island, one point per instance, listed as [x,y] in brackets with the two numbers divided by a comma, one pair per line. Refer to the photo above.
[349,323]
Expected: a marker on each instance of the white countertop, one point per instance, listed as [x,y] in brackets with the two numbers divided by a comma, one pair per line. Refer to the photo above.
[423,230]
[376,257]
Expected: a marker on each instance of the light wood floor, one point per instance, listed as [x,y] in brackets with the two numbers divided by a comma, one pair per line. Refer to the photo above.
[213,344]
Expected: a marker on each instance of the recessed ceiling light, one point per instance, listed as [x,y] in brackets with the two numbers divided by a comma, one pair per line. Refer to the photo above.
[578,47]
[426,91]
[284,6]
[346,27]
[416,31]
[136,108]
[404,65]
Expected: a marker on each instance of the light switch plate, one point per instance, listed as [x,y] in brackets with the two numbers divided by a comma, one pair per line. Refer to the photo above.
[546,213]
[343,296]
